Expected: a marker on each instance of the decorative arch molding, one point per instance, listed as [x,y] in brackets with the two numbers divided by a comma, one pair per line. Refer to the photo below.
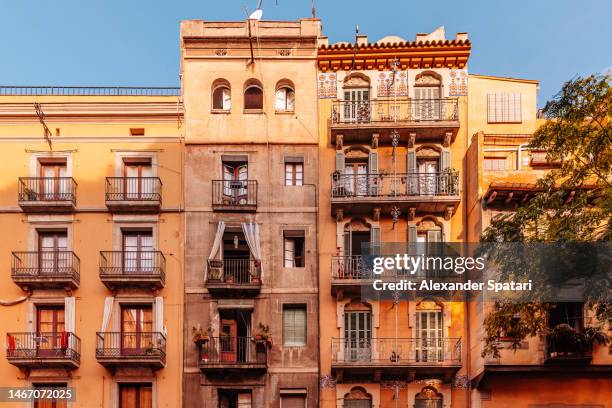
[358,224]
[428,223]
[358,393]
[252,82]
[428,151]
[428,78]
[428,397]
[367,389]
[356,152]
[342,305]
[341,226]
[356,80]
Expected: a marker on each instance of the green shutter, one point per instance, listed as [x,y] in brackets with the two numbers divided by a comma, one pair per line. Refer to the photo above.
[375,239]
[373,169]
[412,233]
[445,160]
[412,183]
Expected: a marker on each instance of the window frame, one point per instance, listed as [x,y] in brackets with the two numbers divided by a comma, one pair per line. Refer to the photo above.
[286,89]
[291,173]
[251,109]
[301,307]
[294,236]
[220,87]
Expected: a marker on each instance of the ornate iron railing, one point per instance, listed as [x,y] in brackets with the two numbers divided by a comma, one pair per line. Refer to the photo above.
[131,345]
[52,264]
[41,346]
[232,351]
[395,185]
[403,110]
[47,189]
[396,351]
[133,189]
[234,194]
[238,271]
[133,264]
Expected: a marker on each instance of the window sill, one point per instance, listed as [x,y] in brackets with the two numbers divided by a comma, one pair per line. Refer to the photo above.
[253,111]
[284,112]
[222,111]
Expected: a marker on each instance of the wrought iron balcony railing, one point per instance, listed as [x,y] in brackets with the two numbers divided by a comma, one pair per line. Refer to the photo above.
[395,185]
[232,351]
[234,271]
[234,195]
[59,347]
[401,110]
[397,351]
[133,265]
[133,189]
[45,265]
[45,189]
[139,346]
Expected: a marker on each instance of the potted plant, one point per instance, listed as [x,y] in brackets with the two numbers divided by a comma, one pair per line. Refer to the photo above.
[215,267]
[256,271]
[150,348]
[199,335]
[263,335]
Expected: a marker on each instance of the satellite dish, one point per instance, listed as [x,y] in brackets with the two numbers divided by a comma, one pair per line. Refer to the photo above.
[256,15]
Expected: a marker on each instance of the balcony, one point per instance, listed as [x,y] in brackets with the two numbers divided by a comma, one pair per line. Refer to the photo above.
[234,195]
[133,194]
[428,118]
[133,269]
[427,192]
[349,274]
[46,270]
[233,277]
[137,349]
[233,355]
[360,359]
[47,194]
[43,350]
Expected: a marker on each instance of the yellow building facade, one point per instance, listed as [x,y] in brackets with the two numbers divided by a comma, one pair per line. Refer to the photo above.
[92,246]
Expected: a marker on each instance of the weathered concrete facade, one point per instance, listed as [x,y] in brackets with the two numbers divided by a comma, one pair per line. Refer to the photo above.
[250,162]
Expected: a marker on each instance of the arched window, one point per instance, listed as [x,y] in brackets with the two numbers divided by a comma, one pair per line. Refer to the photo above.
[428,94]
[357,398]
[428,398]
[285,96]
[429,332]
[253,95]
[221,95]
[357,331]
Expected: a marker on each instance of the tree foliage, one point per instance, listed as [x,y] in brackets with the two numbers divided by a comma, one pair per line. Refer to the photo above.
[573,202]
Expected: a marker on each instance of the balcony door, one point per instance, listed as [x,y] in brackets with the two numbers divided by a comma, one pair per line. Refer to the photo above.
[138,252]
[52,183]
[356,178]
[427,94]
[235,183]
[50,339]
[50,403]
[358,335]
[430,338]
[357,105]
[133,395]
[136,328]
[428,176]
[229,341]
[137,181]
[52,252]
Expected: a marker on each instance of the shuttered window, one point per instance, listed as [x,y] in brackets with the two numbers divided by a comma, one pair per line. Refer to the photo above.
[504,108]
[294,325]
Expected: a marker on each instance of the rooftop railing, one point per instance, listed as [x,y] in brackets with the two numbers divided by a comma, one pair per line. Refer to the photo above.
[89,91]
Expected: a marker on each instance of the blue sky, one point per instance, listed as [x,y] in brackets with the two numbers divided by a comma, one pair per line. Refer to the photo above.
[135,42]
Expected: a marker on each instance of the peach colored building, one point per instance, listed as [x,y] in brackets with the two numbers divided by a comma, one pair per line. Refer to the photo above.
[92,244]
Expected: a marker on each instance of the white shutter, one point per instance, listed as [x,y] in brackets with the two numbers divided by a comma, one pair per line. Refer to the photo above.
[281,99]
[290,100]
[159,315]
[69,314]
[227,99]
[289,255]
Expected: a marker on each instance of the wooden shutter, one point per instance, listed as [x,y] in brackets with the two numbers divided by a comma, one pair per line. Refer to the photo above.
[375,239]
[293,401]
[445,160]
[412,233]
[411,167]
[373,169]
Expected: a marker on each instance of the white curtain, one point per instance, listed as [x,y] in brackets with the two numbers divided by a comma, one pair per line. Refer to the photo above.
[108,310]
[251,233]
[217,241]
[159,315]
[69,320]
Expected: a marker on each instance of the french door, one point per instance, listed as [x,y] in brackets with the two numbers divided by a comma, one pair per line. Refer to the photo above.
[228,341]
[430,339]
[235,182]
[137,181]
[358,336]
[138,252]
[356,105]
[428,177]
[53,257]
[50,337]
[135,395]
[136,329]
[428,102]
[356,179]
[48,403]
[52,184]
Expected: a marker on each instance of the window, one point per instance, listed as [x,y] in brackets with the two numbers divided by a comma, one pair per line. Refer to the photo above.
[294,173]
[285,99]
[504,108]
[294,325]
[138,251]
[222,98]
[253,95]
[234,399]
[52,251]
[137,131]
[53,182]
[135,395]
[50,403]
[495,163]
[138,183]
[293,249]
[293,399]
[136,329]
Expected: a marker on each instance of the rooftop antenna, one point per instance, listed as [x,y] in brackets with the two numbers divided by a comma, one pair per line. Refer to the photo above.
[313,10]
[41,118]
[355,47]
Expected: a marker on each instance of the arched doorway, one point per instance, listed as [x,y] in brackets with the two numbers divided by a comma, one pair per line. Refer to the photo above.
[428,398]
[357,398]
[357,331]
[427,95]
[429,332]
[356,102]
